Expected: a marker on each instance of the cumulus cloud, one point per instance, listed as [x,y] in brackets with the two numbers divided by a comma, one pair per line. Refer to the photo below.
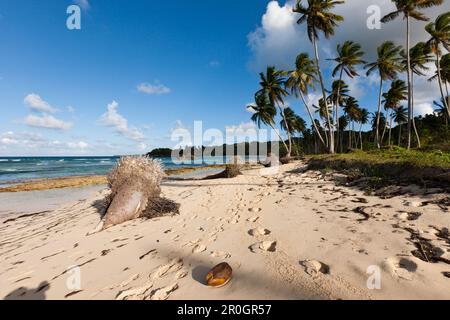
[20,143]
[47,121]
[153,89]
[278,40]
[113,119]
[36,103]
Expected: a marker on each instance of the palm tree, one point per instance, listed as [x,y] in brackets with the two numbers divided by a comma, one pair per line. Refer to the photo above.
[318,17]
[388,64]
[324,110]
[378,119]
[363,119]
[441,110]
[410,9]
[445,72]
[349,56]
[396,94]
[419,57]
[264,112]
[400,117]
[299,82]
[440,35]
[343,123]
[351,109]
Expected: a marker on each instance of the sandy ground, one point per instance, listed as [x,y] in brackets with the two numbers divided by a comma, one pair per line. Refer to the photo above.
[264,226]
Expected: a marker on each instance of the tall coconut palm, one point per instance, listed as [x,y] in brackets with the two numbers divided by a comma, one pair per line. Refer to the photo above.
[439,32]
[363,119]
[341,89]
[419,57]
[299,82]
[348,58]
[272,84]
[393,98]
[264,112]
[378,119]
[318,18]
[323,110]
[352,111]
[388,64]
[445,72]
[400,117]
[410,9]
[295,122]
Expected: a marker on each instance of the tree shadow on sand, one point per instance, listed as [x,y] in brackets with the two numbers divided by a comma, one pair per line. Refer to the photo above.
[23,293]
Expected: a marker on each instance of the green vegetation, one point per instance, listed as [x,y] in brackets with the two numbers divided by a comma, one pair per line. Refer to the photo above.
[395,164]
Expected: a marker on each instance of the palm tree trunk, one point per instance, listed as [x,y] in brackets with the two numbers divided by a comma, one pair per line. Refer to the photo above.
[336,119]
[279,136]
[438,66]
[326,138]
[350,136]
[409,80]
[399,134]
[390,129]
[316,54]
[311,117]
[377,134]
[360,136]
[412,112]
[289,151]
[385,127]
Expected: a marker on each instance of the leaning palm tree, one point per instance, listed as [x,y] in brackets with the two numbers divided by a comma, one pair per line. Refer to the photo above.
[445,72]
[363,119]
[410,9]
[299,82]
[441,110]
[439,32]
[400,117]
[272,84]
[319,18]
[393,98]
[264,112]
[295,122]
[349,57]
[388,64]
[419,57]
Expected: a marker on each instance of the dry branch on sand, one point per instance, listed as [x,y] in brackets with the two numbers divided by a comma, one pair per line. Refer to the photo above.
[135,192]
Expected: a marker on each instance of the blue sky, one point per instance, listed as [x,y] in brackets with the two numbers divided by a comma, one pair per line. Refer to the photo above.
[138,69]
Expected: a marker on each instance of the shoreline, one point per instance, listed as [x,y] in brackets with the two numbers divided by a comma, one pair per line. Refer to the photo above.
[90,180]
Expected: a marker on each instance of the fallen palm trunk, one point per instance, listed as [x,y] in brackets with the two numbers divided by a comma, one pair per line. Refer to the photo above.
[135,192]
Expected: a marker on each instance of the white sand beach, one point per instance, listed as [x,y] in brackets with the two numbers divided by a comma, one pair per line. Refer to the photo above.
[293,235]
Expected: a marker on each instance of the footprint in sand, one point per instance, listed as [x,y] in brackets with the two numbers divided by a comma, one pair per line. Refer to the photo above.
[401,268]
[253,219]
[220,254]
[269,246]
[255,210]
[199,248]
[258,232]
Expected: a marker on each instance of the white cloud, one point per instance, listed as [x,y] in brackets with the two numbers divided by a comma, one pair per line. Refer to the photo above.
[47,122]
[155,89]
[71,109]
[278,40]
[84,4]
[36,103]
[113,119]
